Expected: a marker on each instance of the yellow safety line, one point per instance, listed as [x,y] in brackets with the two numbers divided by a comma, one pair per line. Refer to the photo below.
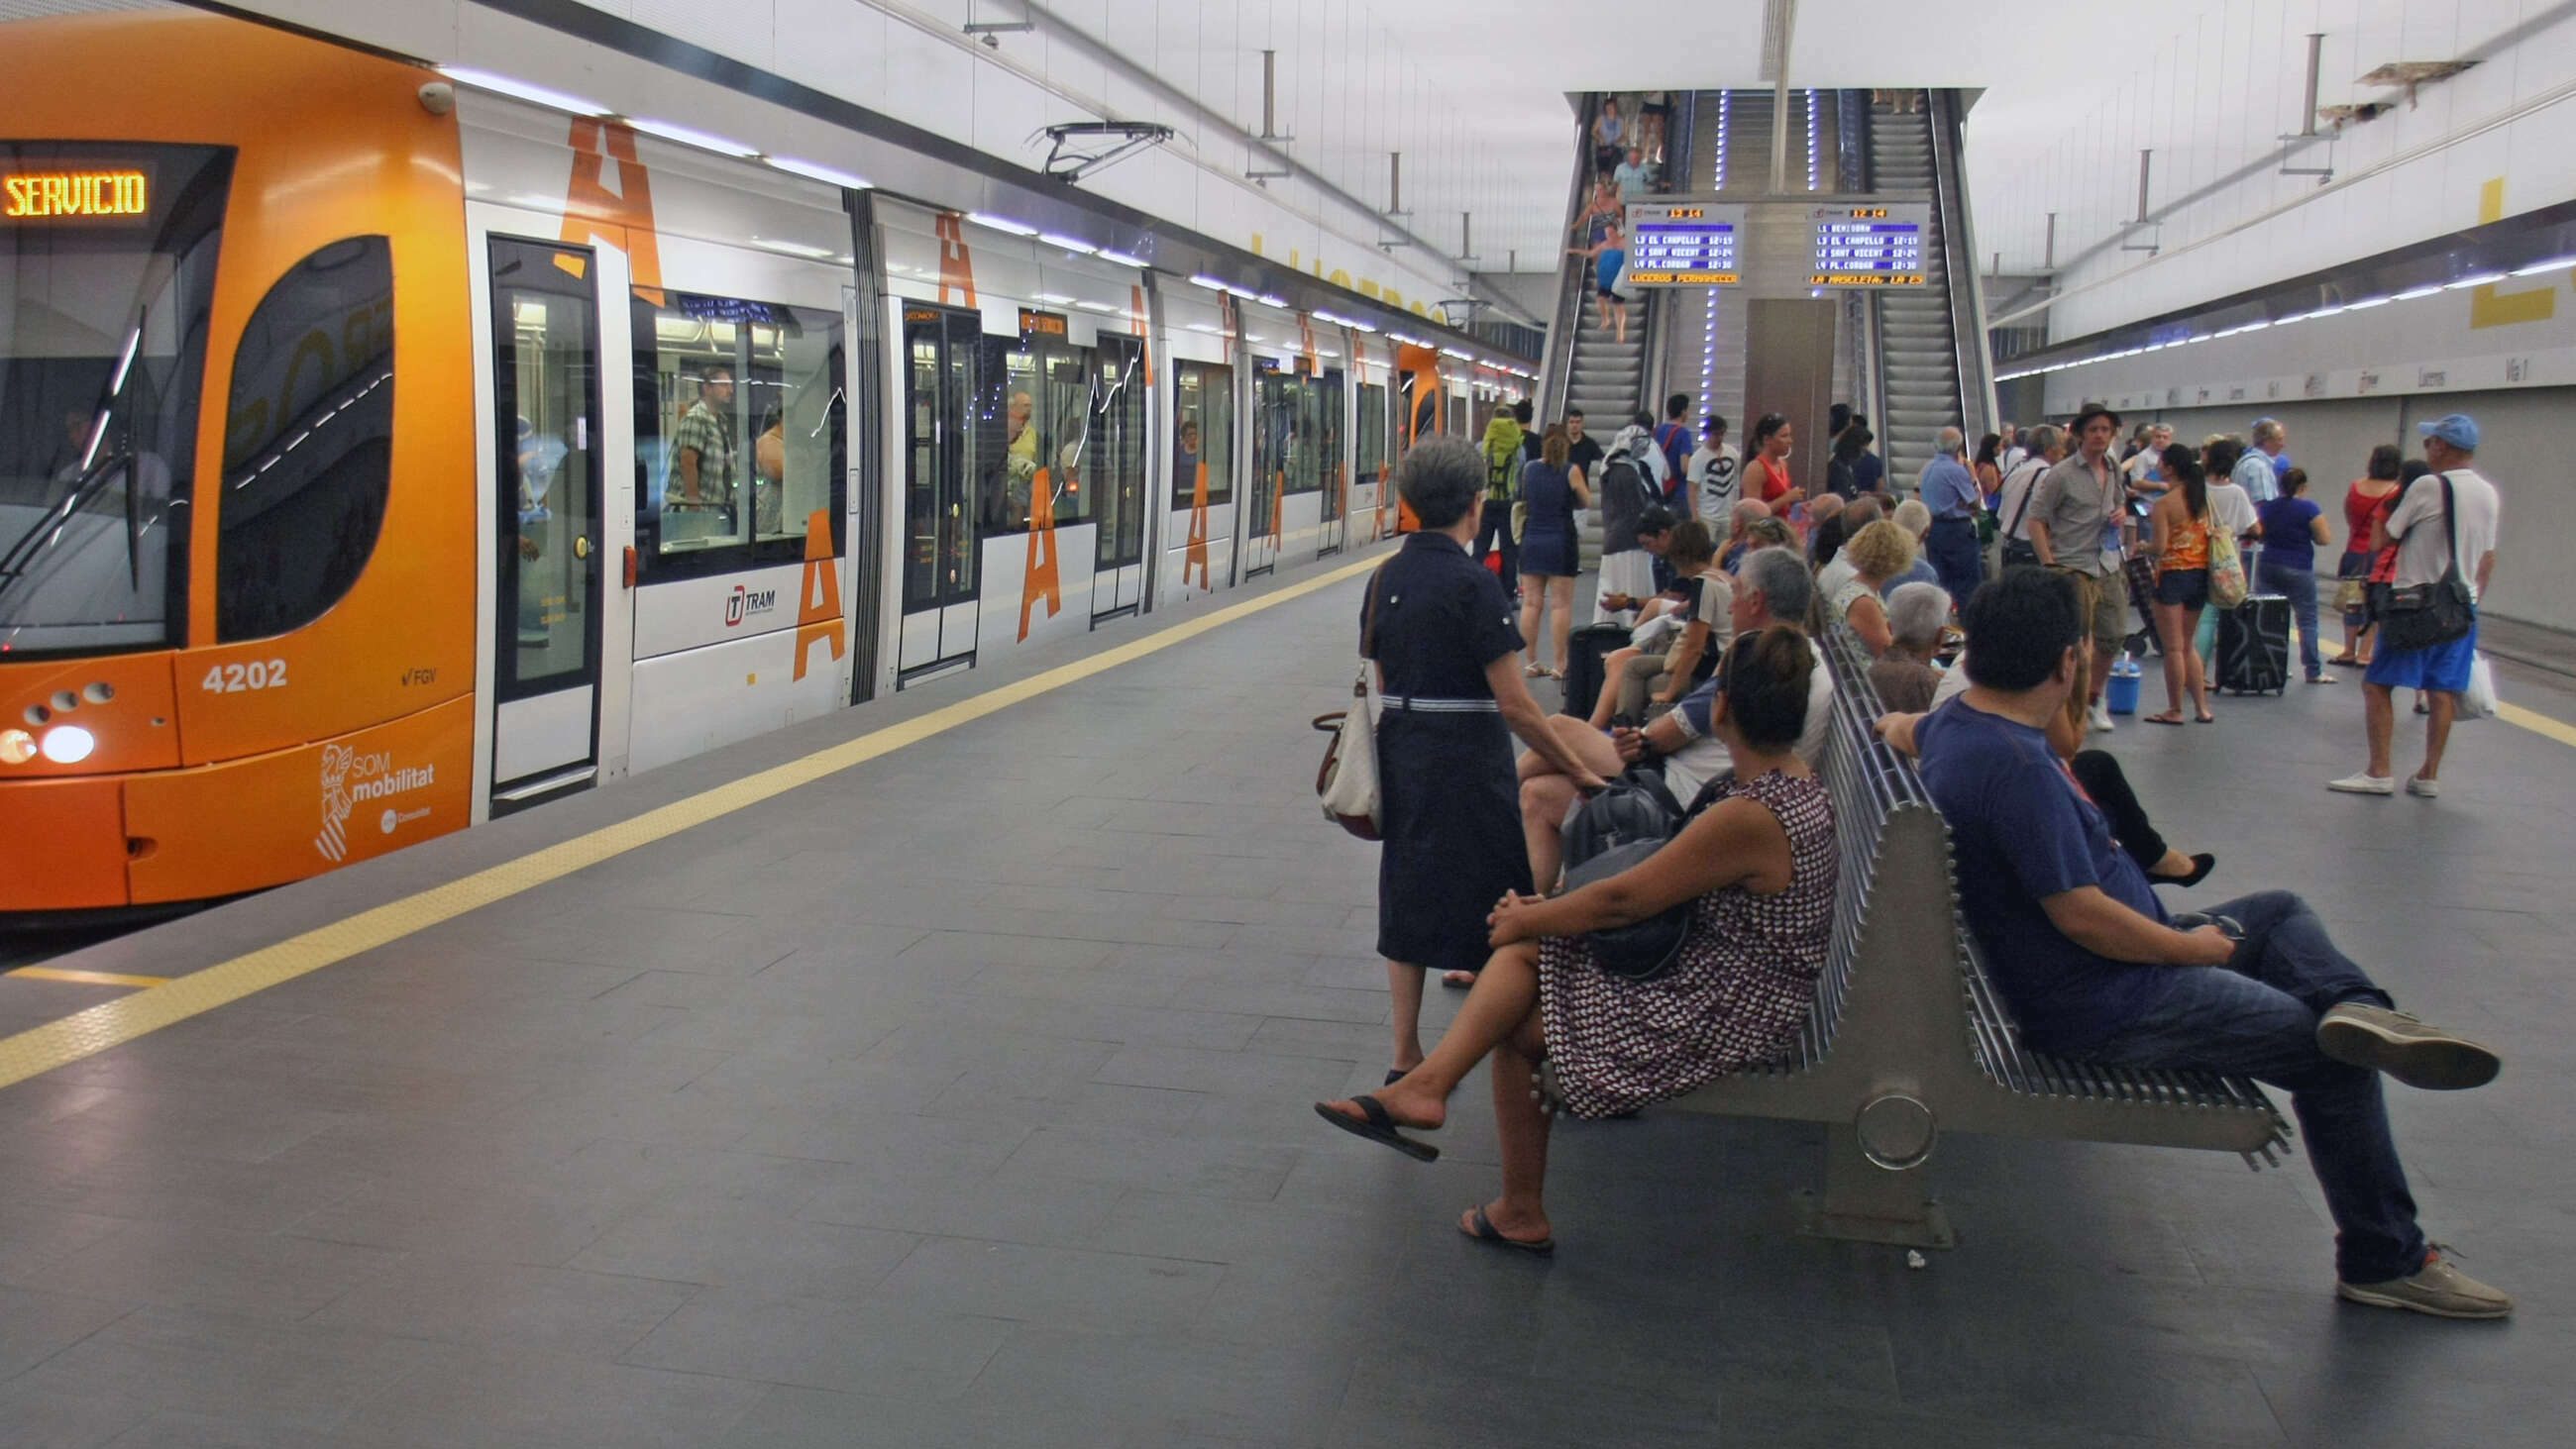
[2539,724]
[87,1033]
[88,978]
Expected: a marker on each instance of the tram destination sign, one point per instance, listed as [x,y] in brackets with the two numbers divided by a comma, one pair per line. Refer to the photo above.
[1877,244]
[1688,245]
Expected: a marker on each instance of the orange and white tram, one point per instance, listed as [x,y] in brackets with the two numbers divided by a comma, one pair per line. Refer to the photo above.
[377,457]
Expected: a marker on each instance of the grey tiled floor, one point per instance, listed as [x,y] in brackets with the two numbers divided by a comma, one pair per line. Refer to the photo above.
[961,1099]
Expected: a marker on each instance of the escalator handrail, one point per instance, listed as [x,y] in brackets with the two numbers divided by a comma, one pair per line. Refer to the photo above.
[1973,354]
[1556,365]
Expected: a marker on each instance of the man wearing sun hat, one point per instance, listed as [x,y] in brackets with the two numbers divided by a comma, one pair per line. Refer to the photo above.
[2426,548]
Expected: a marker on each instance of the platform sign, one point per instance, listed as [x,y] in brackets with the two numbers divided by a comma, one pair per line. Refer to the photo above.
[1684,246]
[1877,245]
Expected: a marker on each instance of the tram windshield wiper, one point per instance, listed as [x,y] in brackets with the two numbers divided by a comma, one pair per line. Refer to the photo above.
[95,471]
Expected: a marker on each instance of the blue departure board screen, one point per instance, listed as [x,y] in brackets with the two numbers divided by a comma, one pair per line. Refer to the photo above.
[1684,245]
[1881,245]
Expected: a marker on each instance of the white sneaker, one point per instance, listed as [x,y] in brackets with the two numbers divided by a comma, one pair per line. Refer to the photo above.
[2418,785]
[2099,717]
[2437,1288]
[2364,784]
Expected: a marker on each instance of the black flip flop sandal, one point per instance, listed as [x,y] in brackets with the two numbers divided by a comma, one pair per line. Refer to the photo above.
[1378,1128]
[1485,1232]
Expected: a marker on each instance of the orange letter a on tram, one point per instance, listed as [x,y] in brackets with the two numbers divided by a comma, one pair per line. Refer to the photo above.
[1197,557]
[1041,572]
[818,615]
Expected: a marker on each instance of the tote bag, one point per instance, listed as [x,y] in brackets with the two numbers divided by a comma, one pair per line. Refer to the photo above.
[1347,781]
[2226,566]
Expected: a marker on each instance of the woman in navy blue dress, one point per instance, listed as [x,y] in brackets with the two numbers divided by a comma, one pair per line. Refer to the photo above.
[1551,489]
[1448,662]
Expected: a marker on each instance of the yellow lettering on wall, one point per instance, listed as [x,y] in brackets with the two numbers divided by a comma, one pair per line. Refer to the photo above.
[1340,278]
[2491,305]
[1256,243]
[1368,289]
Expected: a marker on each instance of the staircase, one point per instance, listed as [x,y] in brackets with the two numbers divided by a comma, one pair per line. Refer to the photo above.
[1918,353]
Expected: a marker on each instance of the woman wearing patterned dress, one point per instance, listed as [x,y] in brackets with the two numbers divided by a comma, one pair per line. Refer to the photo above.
[1757,869]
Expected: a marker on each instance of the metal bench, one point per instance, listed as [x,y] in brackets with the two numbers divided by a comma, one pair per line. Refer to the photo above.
[1910,1038]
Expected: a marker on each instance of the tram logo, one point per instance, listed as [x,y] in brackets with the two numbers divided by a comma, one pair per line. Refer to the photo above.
[746,603]
[349,777]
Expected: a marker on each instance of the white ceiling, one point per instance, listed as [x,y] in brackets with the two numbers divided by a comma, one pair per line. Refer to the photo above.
[1475,95]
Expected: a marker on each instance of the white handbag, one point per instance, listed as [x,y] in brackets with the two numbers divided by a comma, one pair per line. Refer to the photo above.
[1347,781]
[2479,701]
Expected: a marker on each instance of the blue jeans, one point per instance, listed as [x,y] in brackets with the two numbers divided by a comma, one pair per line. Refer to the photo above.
[2257,1015]
[2299,586]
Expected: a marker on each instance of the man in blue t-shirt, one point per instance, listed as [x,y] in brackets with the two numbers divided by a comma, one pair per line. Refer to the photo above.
[1673,439]
[2092,967]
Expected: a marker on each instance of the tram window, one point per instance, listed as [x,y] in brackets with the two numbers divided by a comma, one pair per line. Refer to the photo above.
[1117,453]
[1328,437]
[308,441]
[96,452]
[739,424]
[1032,423]
[1372,433]
[1301,442]
[1204,437]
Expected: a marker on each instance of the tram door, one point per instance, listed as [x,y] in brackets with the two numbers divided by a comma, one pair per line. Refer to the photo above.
[941,536]
[546,671]
[1116,464]
[1334,468]
[1262,517]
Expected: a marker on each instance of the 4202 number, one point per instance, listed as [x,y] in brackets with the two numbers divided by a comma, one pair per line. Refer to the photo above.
[245,675]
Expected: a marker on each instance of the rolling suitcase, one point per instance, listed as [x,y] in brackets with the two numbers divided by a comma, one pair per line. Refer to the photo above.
[1585,648]
[2254,646]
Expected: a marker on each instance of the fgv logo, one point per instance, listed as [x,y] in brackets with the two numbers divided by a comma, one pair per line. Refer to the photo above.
[746,603]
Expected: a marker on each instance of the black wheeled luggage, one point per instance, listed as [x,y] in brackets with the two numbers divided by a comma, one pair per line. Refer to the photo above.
[1585,648]
[2254,646]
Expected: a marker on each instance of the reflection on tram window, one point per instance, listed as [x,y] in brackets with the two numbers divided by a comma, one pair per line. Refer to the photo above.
[1058,438]
[738,420]
[1117,462]
[1203,406]
[548,390]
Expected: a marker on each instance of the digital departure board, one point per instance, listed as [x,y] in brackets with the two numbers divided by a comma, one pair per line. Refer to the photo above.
[1880,245]
[1684,246]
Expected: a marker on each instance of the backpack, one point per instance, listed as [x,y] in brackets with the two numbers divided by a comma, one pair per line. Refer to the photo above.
[1615,831]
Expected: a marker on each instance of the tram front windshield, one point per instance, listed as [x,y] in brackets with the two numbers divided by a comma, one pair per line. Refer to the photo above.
[107,269]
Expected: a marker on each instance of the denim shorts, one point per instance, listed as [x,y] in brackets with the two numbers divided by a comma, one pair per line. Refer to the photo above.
[2187,587]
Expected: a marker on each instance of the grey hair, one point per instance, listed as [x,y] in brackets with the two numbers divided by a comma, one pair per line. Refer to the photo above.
[2266,430]
[2046,437]
[1741,516]
[1950,442]
[1915,614]
[1913,517]
[1441,477]
[1781,578]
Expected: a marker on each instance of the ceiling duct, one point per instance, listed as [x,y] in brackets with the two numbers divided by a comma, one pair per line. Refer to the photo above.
[1777,16]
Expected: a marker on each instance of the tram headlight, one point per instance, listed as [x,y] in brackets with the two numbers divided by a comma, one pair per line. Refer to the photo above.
[68,744]
[17,747]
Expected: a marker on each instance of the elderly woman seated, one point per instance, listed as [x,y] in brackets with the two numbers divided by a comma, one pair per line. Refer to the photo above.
[1755,872]
[1903,675]
[1878,553]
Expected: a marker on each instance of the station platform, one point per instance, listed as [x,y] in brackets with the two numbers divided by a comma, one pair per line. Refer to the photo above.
[939,1073]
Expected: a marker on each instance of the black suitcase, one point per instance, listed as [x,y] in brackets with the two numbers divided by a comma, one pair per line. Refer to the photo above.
[1585,648]
[2254,646]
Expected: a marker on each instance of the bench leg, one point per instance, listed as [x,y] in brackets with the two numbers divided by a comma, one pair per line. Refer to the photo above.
[1865,1203]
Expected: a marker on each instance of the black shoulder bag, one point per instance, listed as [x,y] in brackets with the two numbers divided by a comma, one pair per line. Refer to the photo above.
[1615,831]
[2018,550]
[2421,616]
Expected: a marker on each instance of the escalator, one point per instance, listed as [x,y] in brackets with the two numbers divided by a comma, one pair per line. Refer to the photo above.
[1920,361]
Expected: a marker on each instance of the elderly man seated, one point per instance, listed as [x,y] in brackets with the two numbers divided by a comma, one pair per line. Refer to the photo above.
[1739,520]
[1771,588]
[2093,968]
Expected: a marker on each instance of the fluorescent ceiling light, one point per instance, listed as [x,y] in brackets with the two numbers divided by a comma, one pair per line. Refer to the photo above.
[688,136]
[1267,300]
[825,174]
[484,80]
[1071,244]
[2482,279]
[1211,283]
[1201,327]
[793,249]
[2367,302]
[1454,352]
[1124,260]
[1052,299]
[2411,293]
[1100,307]
[1336,319]
[2551,265]
[1001,223]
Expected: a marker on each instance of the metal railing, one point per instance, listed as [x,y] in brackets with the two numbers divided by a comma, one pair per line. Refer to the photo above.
[1973,355]
[1556,363]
